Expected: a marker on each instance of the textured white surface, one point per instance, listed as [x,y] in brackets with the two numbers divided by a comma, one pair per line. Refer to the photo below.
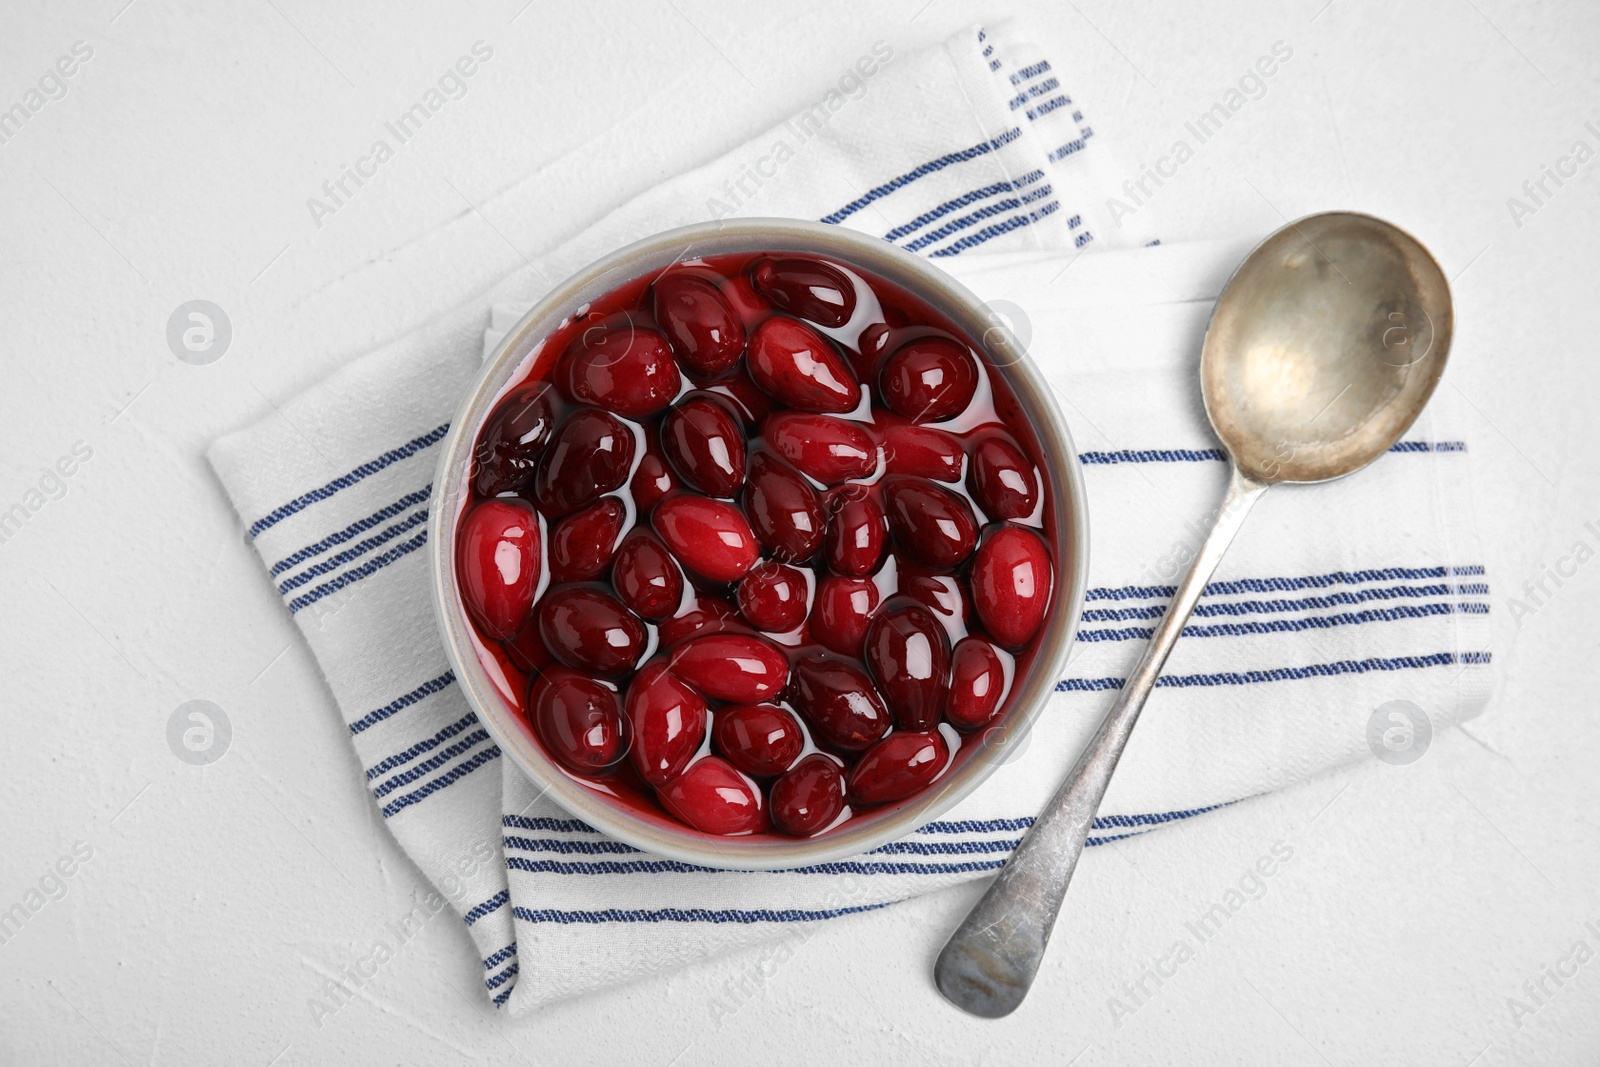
[219,899]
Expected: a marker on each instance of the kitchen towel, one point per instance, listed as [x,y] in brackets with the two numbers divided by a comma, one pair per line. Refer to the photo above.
[1333,602]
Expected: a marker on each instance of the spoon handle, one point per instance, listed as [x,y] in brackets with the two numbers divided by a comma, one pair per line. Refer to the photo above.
[989,963]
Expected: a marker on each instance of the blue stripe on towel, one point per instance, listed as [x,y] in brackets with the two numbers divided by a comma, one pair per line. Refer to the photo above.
[360,526]
[565,826]
[962,201]
[390,762]
[495,959]
[501,998]
[355,551]
[345,481]
[1281,626]
[986,211]
[1284,585]
[982,148]
[612,867]
[1284,674]
[356,574]
[1014,223]
[433,685]
[1264,607]
[1027,73]
[1075,145]
[689,915]
[502,978]
[431,764]
[493,904]
[1047,107]
[1217,455]
[455,774]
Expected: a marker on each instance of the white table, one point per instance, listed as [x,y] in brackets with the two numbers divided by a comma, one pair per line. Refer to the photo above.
[218,899]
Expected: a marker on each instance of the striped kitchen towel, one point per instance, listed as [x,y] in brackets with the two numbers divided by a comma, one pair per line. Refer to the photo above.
[1333,602]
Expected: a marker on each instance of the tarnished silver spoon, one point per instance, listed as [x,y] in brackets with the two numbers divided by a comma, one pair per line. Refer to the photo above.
[1321,351]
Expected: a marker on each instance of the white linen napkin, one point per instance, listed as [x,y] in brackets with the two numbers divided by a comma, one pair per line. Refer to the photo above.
[1331,603]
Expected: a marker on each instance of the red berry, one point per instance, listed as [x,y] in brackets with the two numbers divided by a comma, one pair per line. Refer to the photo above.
[759,739]
[731,666]
[581,545]
[589,630]
[842,610]
[668,720]
[526,647]
[579,719]
[508,449]
[898,766]
[772,597]
[1002,480]
[711,537]
[653,479]
[931,524]
[857,534]
[784,510]
[626,369]
[809,288]
[714,798]
[809,797]
[839,702]
[498,564]
[829,449]
[1011,584]
[590,456]
[943,594]
[707,335]
[923,452]
[704,615]
[704,445]
[908,653]
[977,684]
[797,366]
[929,380]
[749,402]
[646,577]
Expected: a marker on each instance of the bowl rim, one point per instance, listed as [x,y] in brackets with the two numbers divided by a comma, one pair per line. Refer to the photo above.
[1007,356]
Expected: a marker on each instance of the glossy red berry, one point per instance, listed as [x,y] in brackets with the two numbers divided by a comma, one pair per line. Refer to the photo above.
[798,367]
[627,370]
[773,597]
[732,666]
[923,452]
[582,544]
[1011,582]
[977,684]
[908,653]
[898,766]
[759,739]
[931,524]
[841,612]
[745,397]
[809,797]
[646,577]
[703,615]
[943,594]
[785,512]
[590,630]
[858,533]
[668,720]
[1002,479]
[827,448]
[653,478]
[929,380]
[840,703]
[705,332]
[579,719]
[498,564]
[705,445]
[710,537]
[508,449]
[714,798]
[589,457]
[808,288]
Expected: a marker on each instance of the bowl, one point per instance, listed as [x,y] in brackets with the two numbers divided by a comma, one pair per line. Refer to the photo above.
[1066,531]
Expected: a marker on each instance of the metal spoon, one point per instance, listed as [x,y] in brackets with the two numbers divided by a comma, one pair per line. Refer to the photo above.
[1321,351]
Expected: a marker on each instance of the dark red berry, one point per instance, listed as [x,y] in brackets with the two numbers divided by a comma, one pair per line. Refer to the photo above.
[707,335]
[977,684]
[808,288]
[773,597]
[507,453]
[628,370]
[931,524]
[705,445]
[908,653]
[809,797]
[759,739]
[732,666]
[898,766]
[858,533]
[579,719]
[943,594]
[653,478]
[589,457]
[646,577]
[1002,480]
[703,615]
[839,702]
[589,630]
[498,563]
[841,612]
[710,537]
[749,402]
[797,366]
[929,380]
[582,544]
[828,448]
[785,512]
[714,798]
[668,720]
[923,452]
[1011,582]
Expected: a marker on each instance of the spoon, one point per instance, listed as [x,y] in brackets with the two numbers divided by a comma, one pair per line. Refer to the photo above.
[1322,350]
